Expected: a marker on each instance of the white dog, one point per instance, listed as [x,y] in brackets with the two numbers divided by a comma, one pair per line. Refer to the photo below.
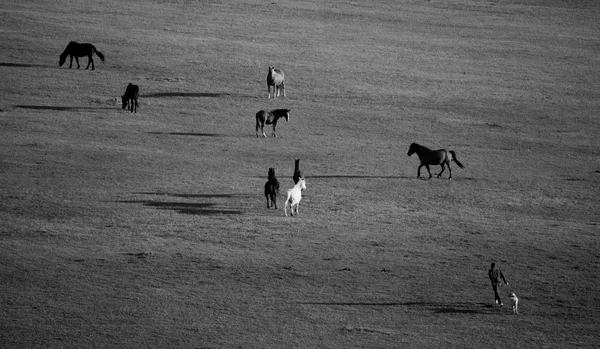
[515,302]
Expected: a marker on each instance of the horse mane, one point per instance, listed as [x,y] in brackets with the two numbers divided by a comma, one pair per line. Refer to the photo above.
[280,111]
[421,147]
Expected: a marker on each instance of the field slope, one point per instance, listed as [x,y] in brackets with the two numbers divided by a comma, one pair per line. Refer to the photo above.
[150,230]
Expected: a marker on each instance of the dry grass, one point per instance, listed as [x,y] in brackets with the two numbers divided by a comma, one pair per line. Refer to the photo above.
[122,230]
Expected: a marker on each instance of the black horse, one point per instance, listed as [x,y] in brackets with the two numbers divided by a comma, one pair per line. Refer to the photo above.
[297,172]
[428,157]
[270,117]
[272,189]
[75,49]
[132,92]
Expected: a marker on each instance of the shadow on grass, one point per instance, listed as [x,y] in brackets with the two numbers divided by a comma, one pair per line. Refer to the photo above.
[454,179]
[184,94]
[58,108]
[206,196]
[357,177]
[437,308]
[23,65]
[203,209]
[186,134]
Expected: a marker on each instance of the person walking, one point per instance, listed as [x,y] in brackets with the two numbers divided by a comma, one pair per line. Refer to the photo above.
[495,275]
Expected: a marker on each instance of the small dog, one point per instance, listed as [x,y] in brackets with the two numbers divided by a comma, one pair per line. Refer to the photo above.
[515,303]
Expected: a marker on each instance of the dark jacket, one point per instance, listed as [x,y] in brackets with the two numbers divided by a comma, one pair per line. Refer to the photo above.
[495,275]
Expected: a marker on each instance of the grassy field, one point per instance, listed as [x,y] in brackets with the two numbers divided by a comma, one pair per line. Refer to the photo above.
[150,230]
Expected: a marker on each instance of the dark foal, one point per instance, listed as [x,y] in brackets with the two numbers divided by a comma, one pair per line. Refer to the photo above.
[272,189]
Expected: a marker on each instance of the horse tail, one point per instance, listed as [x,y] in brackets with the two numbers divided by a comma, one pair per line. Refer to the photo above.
[456,160]
[99,54]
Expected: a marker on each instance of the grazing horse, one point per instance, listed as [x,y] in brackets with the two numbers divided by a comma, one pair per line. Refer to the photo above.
[272,189]
[434,157]
[75,49]
[270,117]
[297,172]
[132,92]
[276,78]
[294,196]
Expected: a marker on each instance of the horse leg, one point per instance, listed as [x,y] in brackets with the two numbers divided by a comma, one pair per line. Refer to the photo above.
[283,89]
[443,168]
[71,63]
[269,91]
[90,61]
[419,171]
[274,200]
[428,171]
[77,60]
[274,129]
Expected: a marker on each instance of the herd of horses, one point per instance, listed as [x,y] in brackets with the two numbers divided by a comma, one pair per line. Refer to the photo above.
[276,81]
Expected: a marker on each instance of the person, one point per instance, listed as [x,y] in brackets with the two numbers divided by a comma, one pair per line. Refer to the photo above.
[495,275]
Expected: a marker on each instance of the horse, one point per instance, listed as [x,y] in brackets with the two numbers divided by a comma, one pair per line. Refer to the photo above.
[272,189]
[270,117]
[75,49]
[297,172]
[275,78]
[294,196]
[132,92]
[428,157]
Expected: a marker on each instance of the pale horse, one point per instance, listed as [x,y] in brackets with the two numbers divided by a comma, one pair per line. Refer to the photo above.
[294,196]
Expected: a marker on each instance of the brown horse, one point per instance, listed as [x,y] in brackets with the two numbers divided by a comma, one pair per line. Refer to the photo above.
[297,172]
[428,157]
[75,49]
[270,117]
[276,78]
[272,189]
[132,92]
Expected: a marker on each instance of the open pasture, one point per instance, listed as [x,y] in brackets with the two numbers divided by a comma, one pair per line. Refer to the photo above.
[149,230]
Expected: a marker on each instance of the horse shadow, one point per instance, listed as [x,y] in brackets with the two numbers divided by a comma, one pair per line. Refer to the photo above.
[23,65]
[202,209]
[184,94]
[191,208]
[58,108]
[358,177]
[195,134]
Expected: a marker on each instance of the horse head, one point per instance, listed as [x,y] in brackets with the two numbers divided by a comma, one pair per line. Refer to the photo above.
[413,149]
[63,58]
[124,102]
[302,183]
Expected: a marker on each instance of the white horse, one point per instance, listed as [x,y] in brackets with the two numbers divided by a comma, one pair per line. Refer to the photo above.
[276,78]
[294,196]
